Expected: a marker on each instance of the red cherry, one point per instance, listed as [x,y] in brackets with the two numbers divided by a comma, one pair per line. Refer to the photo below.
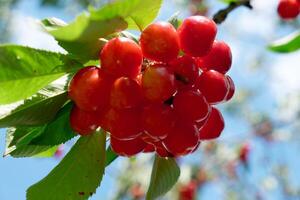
[183,139]
[121,57]
[90,88]
[244,152]
[159,42]
[191,105]
[158,83]
[148,139]
[288,9]
[213,127]
[127,147]
[149,148]
[196,35]
[231,88]
[188,191]
[213,85]
[82,122]
[158,120]
[161,150]
[122,123]
[125,93]
[185,69]
[219,58]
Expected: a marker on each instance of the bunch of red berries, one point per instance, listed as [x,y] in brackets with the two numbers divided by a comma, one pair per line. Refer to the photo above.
[288,9]
[148,97]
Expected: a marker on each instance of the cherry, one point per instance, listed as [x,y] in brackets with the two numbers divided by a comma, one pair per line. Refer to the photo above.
[82,122]
[158,120]
[183,139]
[149,148]
[213,85]
[83,86]
[288,9]
[231,88]
[185,69]
[188,191]
[161,150]
[160,42]
[125,93]
[191,104]
[219,58]
[196,35]
[121,57]
[127,147]
[122,123]
[213,127]
[158,83]
[244,152]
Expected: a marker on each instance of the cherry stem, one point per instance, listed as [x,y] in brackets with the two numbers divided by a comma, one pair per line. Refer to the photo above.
[221,15]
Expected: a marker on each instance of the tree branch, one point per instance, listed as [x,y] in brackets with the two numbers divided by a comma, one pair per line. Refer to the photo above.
[221,15]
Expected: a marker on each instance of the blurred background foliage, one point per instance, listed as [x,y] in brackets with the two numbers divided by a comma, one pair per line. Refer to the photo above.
[257,156]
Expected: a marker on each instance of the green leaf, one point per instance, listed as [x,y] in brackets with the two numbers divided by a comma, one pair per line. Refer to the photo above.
[110,156]
[286,44]
[81,37]
[24,71]
[29,113]
[58,131]
[48,153]
[165,173]
[18,142]
[29,141]
[77,176]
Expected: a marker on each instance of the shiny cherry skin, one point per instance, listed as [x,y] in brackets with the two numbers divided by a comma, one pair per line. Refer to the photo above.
[191,104]
[183,139]
[127,147]
[185,69]
[219,58]
[196,35]
[123,124]
[83,122]
[214,126]
[158,120]
[121,57]
[125,93]
[160,42]
[213,85]
[288,9]
[90,88]
[231,88]
[158,83]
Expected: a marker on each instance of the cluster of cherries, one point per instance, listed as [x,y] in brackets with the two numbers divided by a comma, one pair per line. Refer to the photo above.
[288,9]
[158,95]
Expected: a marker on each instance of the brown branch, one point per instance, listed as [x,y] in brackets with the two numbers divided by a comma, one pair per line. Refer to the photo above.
[221,15]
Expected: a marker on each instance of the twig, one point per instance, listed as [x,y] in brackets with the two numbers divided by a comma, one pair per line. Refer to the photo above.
[221,15]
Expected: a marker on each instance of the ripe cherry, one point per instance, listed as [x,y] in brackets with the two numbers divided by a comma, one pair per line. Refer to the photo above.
[185,69]
[160,42]
[125,93]
[127,147]
[191,104]
[122,123]
[149,148]
[213,85]
[288,9]
[161,150]
[121,57]
[213,127]
[82,122]
[183,139]
[219,58]
[196,35]
[158,83]
[90,88]
[158,120]
[231,88]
